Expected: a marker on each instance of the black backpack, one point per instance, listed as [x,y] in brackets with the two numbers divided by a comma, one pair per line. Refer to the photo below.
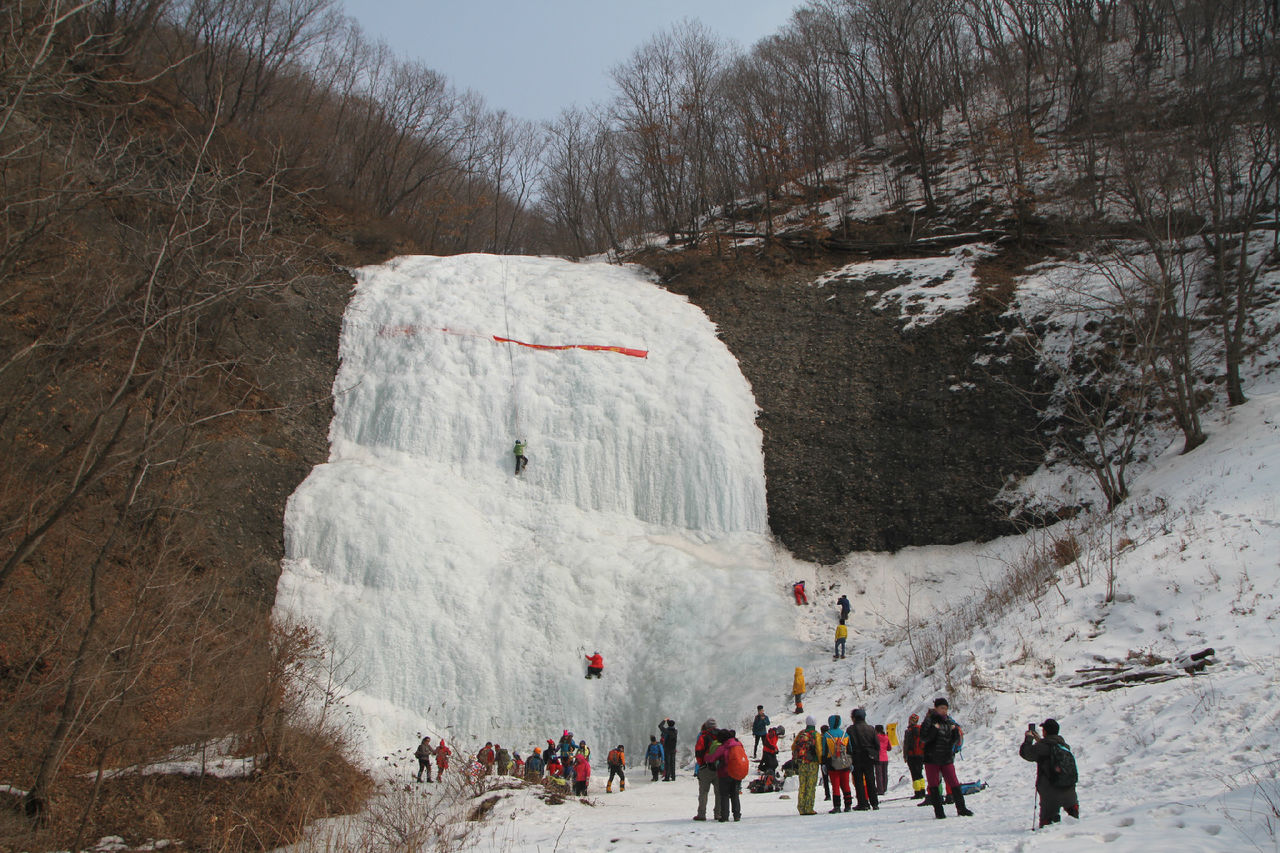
[1061,767]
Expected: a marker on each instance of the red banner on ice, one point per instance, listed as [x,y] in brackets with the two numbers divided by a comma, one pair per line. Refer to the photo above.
[399,331]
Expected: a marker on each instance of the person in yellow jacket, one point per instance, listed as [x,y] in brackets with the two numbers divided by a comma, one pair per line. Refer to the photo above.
[842,634]
[797,689]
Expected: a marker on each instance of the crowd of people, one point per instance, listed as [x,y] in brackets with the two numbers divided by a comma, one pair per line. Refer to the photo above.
[851,762]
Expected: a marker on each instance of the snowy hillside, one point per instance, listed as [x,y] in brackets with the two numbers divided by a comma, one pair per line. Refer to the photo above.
[464,599]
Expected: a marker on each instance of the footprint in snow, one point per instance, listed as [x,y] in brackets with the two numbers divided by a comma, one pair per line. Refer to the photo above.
[1213,829]
[1125,821]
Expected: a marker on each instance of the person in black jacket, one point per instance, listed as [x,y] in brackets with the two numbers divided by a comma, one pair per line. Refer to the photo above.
[864,749]
[667,733]
[1053,796]
[759,728]
[942,738]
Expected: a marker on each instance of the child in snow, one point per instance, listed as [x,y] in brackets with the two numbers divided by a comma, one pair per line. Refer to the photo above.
[581,775]
[655,757]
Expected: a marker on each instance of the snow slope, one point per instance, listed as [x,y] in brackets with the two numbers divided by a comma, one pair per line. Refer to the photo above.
[464,599]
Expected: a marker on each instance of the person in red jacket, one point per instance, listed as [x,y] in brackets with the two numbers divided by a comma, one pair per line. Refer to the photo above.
[487,757]
[729,787]
[442,759]
[769,762]
[581,774]
[595,664]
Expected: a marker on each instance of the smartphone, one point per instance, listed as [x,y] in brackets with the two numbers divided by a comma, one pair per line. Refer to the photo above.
[1031,727]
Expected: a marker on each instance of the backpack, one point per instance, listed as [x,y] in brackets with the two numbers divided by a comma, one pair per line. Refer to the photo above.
[839,759]
[1061,767]
[736,763]
[615,758]
[803,748]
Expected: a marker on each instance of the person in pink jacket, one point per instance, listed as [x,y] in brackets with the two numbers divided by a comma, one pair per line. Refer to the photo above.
[730,787]
[882,766]
[581,775]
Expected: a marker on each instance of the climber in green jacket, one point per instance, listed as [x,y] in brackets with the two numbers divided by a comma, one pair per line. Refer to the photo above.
[521,459]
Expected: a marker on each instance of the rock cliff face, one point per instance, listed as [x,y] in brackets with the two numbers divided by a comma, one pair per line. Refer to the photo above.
[874,437]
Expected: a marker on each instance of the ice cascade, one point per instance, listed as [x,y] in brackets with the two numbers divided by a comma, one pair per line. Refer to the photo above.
[463,599]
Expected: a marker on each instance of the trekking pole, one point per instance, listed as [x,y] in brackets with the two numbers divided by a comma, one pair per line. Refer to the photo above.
[1035,809]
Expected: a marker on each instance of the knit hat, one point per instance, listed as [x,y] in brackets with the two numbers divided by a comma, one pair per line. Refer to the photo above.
[1050,727]
[914,718]
[709,724]
[810,721]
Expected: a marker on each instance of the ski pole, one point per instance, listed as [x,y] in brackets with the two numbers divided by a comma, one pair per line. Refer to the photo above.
[1035,809]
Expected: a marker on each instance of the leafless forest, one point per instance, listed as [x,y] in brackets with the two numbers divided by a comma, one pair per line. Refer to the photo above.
[177,175]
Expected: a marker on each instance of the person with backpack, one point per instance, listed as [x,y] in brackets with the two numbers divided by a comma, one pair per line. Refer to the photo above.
[566,748]
[654,757]
[533,767]
[843,603]
[486,757]
[731,764]
[797,689]
[707,743]
[882,766]
[669,734]
[617,763]
[423,754]
[804,754]
[759,728]
[913,752]
[942,738]
[864,751]
[502,757]
[1056,773]
[842,635]
[833,751]
[822,768]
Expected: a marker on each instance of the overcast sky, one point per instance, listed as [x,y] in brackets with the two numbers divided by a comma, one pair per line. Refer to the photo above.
[533,59]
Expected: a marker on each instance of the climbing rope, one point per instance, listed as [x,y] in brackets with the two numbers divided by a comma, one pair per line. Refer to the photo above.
[511,358]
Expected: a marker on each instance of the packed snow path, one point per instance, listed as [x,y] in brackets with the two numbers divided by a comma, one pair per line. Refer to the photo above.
[463,599]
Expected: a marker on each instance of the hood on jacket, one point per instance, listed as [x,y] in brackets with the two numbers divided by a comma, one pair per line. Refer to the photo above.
[834,721]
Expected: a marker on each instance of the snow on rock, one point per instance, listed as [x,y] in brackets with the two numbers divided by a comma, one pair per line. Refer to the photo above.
[466,598]
[924,289]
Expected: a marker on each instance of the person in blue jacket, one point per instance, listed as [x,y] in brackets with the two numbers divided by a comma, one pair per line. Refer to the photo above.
[759,728]
[655,757]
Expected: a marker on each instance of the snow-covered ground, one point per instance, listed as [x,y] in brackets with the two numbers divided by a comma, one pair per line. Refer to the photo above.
[415,527]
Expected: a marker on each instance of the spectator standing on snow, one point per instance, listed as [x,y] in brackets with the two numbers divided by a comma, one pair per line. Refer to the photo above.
[833,750]
[707,743]
[942,738]
[759,728]
[882,766]
[654,756]
[423,754]
[797,689]
[842,634]
[486,757]
[617,761]
[581,774]
[845,607]
[503,759]
[442,759]
[913,752]
[728,787]
[1055,773]
[822,768]
[769,763]
[566,748]
[804,753]
[668,750]
[864,750]
[533,767]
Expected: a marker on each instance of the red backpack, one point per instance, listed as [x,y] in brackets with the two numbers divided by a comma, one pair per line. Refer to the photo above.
[736,763]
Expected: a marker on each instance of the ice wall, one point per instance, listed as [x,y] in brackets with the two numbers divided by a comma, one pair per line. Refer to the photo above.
[465,598]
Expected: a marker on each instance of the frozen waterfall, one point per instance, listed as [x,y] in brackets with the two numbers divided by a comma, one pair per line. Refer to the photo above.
[466,598]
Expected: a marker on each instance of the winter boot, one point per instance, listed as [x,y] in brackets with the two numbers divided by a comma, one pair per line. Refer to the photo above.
[622,785]
[608,787]
[926,798]
[960,806]
[935,797]
[835,805]
[848,801]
